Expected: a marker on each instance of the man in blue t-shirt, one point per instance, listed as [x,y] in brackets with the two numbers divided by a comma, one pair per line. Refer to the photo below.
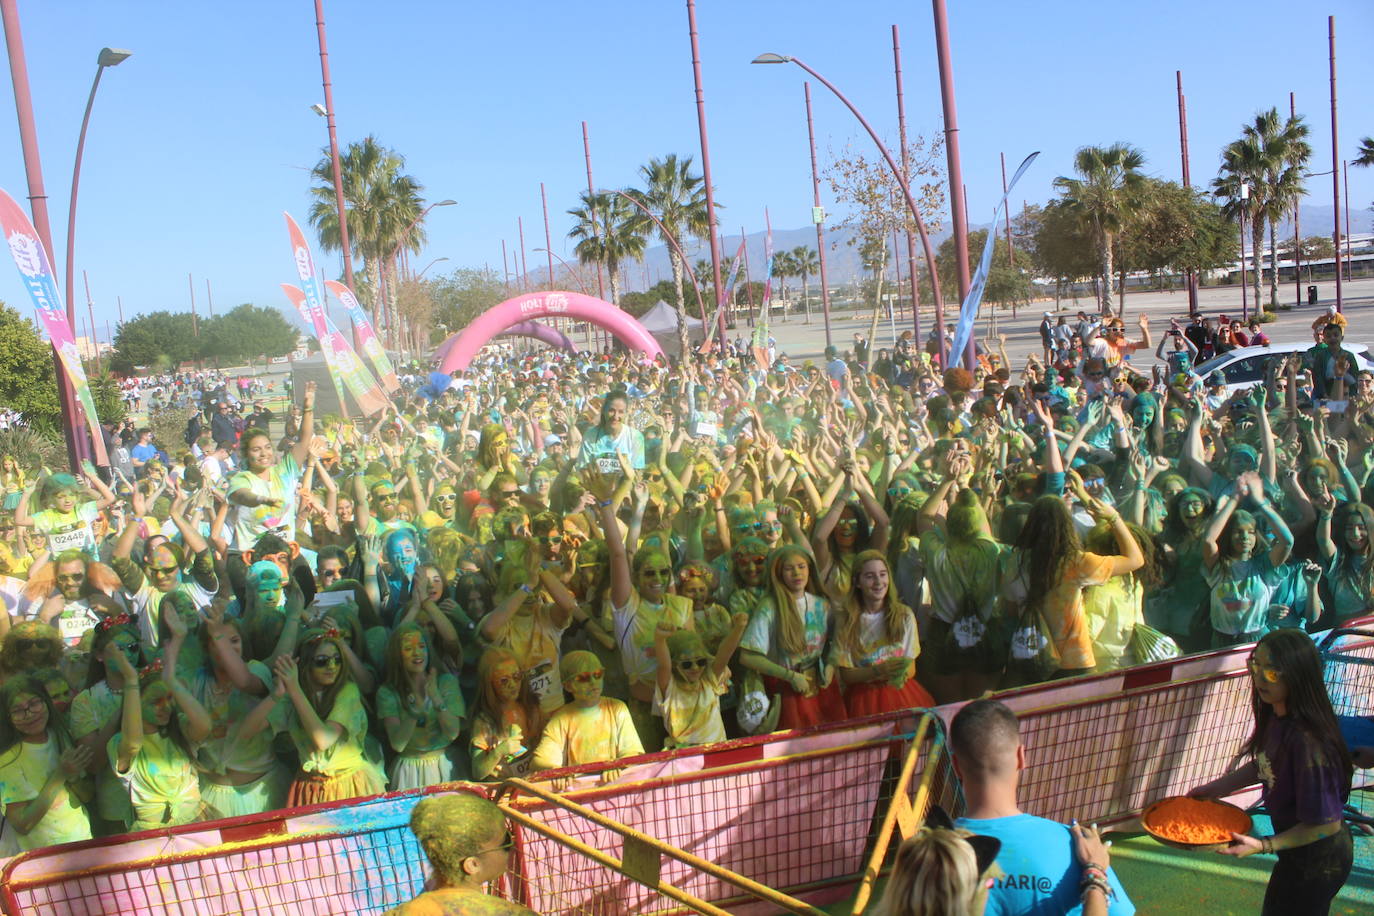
[1040,876]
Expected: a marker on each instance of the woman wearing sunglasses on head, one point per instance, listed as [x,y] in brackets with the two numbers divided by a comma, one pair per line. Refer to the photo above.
[1303,767]
[325,716]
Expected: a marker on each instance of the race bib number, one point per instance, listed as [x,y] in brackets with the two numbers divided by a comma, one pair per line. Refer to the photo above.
[704,429]
[72,625]
[540,679]
[608,464]
[78,539]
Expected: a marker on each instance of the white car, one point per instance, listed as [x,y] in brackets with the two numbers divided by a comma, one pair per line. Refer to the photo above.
[1244,367]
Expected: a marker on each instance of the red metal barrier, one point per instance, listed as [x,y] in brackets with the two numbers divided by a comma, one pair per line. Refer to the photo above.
[793,810]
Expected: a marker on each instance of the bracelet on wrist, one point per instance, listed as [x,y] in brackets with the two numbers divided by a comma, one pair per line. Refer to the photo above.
[605,503]
[526,588]
[1267,845]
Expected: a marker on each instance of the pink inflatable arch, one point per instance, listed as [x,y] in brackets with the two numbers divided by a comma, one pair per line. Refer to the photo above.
[547,305]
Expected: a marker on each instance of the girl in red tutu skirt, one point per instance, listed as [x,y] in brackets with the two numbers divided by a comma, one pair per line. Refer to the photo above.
[875,645]
[786,642]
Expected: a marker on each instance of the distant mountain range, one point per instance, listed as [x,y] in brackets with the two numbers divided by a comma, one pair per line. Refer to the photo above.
[843,265]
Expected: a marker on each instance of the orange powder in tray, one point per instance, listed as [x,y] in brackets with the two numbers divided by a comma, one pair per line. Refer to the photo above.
[1195,820]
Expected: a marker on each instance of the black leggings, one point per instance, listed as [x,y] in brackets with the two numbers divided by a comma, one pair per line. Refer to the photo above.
[1308,878]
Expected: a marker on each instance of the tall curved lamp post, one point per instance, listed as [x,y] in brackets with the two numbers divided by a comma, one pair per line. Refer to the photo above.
[109,57]
[572,271]
[901,181]
[421,274]
[405,235]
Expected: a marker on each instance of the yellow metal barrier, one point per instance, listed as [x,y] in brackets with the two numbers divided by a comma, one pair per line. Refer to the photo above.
[904,813]
[643,855]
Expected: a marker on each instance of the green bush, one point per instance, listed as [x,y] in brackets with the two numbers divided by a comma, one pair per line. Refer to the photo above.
[1265,317]
[34,449]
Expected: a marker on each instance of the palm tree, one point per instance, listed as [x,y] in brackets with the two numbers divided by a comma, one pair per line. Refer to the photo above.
[1103,197]
[1366,156]
[382,205]
[807,263]
[1269,158]
[678,199]
[611,236]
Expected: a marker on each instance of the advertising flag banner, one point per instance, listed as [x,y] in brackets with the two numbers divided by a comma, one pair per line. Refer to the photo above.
[36,272]
[969,310]
[761,327]
[352,372]
[345,369]
[372,347]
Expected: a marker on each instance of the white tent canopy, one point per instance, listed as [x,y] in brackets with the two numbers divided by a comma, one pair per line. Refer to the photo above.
[662,319]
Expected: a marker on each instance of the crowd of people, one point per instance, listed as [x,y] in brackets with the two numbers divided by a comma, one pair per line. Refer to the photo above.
[569,559]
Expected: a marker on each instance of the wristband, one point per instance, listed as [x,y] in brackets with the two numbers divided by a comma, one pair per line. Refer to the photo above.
[605,504]
[527,589]
[1267,845]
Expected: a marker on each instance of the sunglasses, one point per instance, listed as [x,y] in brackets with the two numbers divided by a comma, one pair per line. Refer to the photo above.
[25,645]
[552,539]
[507,845]
[510,494]
[1095,374]
[586,677]
[1268,675]
[691,664]
[327,661]
[446,497]
[162,570]
[31,708]
[384,497]
[847,523]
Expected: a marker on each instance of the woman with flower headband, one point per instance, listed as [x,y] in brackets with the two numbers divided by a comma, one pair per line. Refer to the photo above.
[43,788]
[325,717]
[95,716]
[152,754]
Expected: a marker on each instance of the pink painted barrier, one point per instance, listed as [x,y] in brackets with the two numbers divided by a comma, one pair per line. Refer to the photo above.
[792,810]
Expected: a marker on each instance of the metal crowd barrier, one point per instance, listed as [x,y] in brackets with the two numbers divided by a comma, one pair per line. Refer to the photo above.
[800,813]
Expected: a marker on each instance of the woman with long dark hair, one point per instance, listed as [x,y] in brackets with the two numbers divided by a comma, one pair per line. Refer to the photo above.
[41,768]
[1301,762]
[1345,542]
[326,720]
[421,709]
[1050,569]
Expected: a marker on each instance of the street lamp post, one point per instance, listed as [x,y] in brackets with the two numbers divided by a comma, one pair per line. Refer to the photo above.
[72,426]
[109,57]
[405,236]
[817,213]
[901,181]
[421,274]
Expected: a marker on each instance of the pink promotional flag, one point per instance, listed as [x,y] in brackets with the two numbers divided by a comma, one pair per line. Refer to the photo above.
[345,369]
[36,271]
[354,374]
[372,347]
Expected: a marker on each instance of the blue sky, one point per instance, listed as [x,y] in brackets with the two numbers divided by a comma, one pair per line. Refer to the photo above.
[201,139]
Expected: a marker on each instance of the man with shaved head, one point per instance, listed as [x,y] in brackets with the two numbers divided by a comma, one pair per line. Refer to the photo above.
[1040,876]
